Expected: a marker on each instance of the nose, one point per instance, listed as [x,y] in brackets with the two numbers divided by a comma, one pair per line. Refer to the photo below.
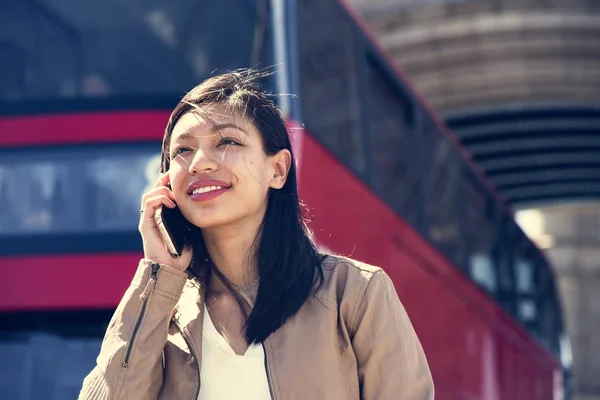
[203,161]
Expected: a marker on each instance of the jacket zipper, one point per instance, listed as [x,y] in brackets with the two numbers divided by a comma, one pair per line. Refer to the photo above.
[145,297]
[188,342]
[267,371]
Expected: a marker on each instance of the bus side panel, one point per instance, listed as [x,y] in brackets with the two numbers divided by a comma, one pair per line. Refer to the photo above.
[77,128]
[63,282]
[465,334]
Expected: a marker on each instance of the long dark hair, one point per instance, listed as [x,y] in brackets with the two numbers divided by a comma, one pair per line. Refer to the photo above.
[288,264]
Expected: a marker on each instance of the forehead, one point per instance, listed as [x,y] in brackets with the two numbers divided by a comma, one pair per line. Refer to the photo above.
[205,123]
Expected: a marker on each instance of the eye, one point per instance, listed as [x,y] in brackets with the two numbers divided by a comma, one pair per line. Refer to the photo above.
[229,141]
[178,151]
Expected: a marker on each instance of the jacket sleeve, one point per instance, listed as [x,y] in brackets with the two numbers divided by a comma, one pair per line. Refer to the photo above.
[391,361]
[129,365]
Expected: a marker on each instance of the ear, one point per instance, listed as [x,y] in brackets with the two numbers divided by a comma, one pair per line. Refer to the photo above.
[280,167]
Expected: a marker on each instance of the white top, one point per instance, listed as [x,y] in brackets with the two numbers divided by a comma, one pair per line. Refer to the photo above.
[224,375]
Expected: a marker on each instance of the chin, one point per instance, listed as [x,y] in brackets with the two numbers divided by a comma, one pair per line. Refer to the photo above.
[209,216]
[206,220]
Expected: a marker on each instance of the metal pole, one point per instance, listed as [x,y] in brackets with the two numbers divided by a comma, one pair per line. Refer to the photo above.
[278,16]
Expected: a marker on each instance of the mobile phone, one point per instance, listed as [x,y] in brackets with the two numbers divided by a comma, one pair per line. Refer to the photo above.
[174,229]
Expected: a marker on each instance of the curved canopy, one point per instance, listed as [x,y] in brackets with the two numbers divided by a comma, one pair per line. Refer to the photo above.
[536,154]
[518,81]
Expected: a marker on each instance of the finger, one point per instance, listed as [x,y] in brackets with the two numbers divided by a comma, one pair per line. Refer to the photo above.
[163,180]
[153,203]
[157,191]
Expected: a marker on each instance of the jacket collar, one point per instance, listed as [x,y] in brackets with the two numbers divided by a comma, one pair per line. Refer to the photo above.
[189,309]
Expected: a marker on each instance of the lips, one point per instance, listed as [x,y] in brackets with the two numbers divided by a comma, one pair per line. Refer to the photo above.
[207,189]
[205,185]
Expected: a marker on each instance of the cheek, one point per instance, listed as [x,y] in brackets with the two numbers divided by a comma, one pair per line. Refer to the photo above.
[232,156]
[255,169]
[177,175]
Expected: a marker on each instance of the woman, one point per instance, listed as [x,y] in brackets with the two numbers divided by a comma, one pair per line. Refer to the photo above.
[250,309]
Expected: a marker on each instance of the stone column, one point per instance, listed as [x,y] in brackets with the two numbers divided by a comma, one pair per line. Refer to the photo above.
[571,235]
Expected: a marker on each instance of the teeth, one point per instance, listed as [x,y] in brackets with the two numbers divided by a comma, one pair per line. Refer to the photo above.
[206,189]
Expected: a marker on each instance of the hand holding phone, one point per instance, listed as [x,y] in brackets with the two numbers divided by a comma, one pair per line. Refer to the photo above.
[174,229]
[159,212]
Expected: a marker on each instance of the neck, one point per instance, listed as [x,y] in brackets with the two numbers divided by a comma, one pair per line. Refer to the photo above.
[230,249]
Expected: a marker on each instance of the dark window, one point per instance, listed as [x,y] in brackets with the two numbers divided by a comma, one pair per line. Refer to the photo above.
[549,321]
[548,326]
[551,325]
[74,190]
[525,266]
[443,183]
[480,233]
[330,97]
[63,50]
[507,230]
[536,304]
[51,361]
[394,162]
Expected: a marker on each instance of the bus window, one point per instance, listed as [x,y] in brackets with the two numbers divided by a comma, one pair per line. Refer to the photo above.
[46,355]
[479,230]
[443,186]
[330,98]
[526,290]
[45,366]
[111,49]
[89,189]
[394,165]
[550,326]
[224,35]
[527,309]
[507,230]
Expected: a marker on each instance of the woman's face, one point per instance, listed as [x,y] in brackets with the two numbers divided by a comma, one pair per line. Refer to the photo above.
[219,171]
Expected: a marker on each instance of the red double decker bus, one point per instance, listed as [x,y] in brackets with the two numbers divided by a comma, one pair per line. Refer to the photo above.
[85,95]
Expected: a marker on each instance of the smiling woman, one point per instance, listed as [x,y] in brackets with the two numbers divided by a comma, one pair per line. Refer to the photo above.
[249,299]
[215,149]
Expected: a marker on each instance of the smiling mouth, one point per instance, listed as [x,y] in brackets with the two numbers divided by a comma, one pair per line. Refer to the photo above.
[207,189]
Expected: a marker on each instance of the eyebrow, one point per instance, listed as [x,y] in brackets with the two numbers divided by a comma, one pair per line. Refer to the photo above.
[217,128]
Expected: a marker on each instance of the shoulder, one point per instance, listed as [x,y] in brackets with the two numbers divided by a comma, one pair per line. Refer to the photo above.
[349,279]
[353,285]
[339,268]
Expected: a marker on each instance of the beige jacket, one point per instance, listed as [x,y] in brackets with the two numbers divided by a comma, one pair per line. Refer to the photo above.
[352,340]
